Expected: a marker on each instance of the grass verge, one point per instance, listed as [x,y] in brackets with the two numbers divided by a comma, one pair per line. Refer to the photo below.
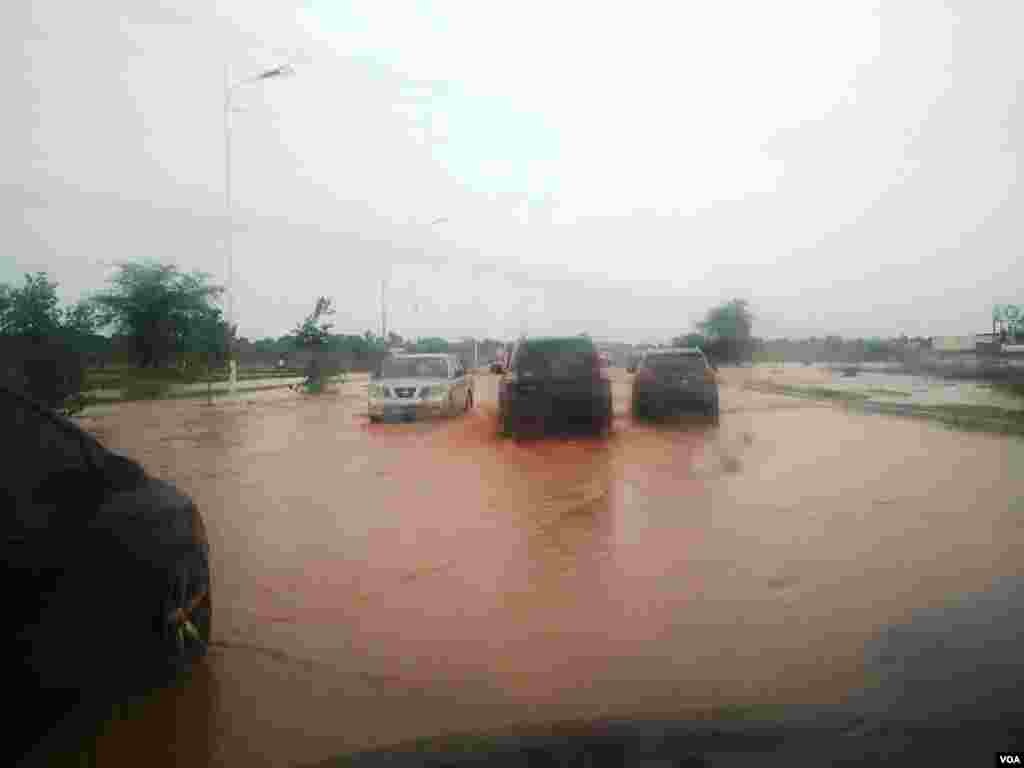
[885,392]
[812,393]
[134,395]
[128,397]
[973,418]
[121,379]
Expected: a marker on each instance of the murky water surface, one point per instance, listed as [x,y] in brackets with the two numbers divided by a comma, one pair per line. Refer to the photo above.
[375,583]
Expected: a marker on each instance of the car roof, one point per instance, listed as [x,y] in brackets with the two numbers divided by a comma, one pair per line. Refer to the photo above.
[427,355]
[675,351]
[551,339]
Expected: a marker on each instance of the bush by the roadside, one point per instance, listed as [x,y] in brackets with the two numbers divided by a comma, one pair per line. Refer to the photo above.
[144,388]
[122,378]
[815,393]
[1015,388]
[119,378]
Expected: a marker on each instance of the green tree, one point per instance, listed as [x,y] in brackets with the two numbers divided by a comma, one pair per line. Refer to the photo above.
[314,333]
[727,329]
[81,319]
[156,305]
[315,330]
[208,344]
[875,349]
[690,340]
[732,320]
[33,310]
[6,299]
[39,358]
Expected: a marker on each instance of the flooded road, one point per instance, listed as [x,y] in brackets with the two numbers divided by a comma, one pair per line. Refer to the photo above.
[376,583]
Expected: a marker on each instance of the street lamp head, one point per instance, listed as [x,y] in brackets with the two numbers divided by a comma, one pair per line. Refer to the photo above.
[285,70]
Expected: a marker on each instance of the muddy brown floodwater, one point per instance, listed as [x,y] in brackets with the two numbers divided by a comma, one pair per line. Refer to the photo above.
[376,583]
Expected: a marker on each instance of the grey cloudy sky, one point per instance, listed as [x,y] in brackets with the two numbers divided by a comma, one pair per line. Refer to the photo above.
[618,168]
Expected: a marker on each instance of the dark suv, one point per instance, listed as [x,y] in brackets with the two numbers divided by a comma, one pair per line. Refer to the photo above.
[679,377]
[555,380]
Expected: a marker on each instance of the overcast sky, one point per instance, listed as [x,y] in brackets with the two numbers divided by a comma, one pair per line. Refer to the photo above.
[617,168]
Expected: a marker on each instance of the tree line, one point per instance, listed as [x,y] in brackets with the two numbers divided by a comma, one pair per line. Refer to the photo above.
[154,313]
[726,335]
[157,317]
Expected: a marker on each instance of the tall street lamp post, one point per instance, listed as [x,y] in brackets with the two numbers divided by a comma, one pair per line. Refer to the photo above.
[386,280]
[230,87]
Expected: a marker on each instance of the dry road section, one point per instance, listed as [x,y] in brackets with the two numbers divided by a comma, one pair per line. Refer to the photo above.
[376,583]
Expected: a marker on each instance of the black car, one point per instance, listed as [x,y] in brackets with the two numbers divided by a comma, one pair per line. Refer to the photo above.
[106,572]
[675,378]
[555,380]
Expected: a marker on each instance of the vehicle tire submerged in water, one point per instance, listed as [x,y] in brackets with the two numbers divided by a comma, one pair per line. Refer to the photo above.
[640,409]
[713,413]
[189,599]
[507,424]
[164,610]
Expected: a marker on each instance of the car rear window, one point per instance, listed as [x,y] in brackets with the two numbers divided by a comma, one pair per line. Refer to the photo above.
[554,357]
[671,363]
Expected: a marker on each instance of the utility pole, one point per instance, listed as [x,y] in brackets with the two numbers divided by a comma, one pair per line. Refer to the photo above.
[383,309]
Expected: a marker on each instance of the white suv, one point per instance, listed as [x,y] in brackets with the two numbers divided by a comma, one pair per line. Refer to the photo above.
[408,386]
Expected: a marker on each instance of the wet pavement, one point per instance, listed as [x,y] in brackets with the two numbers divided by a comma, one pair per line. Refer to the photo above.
[376,583]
